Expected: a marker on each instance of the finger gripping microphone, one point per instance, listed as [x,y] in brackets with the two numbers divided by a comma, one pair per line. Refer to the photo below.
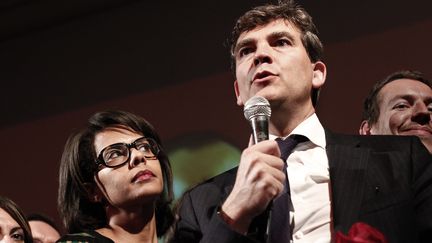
[257,111]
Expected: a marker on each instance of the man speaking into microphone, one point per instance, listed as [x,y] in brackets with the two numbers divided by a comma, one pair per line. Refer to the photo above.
[333,181]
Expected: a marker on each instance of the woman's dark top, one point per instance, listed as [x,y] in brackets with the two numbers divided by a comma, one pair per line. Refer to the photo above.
[84,237]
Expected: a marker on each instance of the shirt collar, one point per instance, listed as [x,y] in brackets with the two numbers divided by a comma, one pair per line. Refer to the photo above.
[310,128]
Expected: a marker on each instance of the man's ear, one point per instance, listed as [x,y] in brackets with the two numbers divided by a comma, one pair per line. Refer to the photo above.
[319,74]
[365,128]
[94,194]
[237,93]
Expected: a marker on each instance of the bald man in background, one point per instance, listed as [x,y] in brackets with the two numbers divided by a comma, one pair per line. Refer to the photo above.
[400,104]
[44,230]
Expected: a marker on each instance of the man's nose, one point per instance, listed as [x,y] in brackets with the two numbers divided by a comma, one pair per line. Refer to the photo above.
[421,113]
[262,55]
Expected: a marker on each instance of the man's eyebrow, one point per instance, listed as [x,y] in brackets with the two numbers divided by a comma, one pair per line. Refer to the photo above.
[243,43]
[271,36]
[280,34]
[401,97]
[410,98]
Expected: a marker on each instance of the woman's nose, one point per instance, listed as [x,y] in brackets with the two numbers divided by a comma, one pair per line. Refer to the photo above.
[136,157]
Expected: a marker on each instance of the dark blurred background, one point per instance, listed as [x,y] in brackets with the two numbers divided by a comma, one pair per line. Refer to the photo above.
[61,61]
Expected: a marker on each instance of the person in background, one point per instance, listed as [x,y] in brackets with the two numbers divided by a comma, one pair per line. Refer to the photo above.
[44,230]
[13,224]
[115,181]
[400,104]
[332,182]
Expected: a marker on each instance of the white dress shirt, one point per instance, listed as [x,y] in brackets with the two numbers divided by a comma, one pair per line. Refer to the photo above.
[309,179]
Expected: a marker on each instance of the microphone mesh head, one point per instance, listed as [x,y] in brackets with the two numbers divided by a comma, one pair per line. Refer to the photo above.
[256,106]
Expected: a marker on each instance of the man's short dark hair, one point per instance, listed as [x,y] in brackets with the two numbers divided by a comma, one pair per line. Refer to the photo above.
[371,110]
[288,11]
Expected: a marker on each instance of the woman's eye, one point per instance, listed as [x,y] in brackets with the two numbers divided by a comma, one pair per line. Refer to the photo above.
[17,236]
[143,147]
[113,154]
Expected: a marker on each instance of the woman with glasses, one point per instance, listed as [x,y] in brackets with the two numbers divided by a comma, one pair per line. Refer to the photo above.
[115,182]
[13,224]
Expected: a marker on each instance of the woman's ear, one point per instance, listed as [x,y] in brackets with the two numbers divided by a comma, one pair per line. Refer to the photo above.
[93,192]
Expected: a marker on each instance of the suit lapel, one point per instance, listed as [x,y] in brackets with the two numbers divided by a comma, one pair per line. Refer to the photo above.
[347,162]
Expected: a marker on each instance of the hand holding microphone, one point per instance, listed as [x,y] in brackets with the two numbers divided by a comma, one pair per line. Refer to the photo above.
[259,176]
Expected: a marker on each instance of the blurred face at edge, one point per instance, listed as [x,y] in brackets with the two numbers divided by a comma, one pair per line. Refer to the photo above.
[405,108]
[43,232]
[10,230]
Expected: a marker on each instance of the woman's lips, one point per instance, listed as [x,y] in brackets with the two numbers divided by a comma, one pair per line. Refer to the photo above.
[143,176]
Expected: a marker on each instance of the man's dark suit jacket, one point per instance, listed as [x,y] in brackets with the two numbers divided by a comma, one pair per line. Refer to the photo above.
[384,181]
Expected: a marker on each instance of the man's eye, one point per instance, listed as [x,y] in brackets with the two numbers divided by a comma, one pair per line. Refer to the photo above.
[282,42]
[245,51]
[401,106]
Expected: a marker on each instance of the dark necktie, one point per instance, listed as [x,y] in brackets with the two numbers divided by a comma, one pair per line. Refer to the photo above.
[279,231]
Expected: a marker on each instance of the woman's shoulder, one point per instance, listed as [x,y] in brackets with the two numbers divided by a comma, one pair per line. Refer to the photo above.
[84,237]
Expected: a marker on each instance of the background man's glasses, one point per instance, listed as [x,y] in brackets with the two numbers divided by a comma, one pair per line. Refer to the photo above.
[118,154]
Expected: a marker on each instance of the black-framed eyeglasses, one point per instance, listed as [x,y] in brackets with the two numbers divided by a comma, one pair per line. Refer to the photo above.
[118,154]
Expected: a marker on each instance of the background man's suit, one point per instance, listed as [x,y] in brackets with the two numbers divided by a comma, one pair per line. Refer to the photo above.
[385,181]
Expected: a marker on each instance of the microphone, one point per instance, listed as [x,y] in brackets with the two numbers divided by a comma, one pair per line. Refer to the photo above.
[257,111]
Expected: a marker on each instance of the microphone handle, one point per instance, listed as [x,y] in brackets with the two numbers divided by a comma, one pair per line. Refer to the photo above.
[269,212]
[260,133]
[260,129]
